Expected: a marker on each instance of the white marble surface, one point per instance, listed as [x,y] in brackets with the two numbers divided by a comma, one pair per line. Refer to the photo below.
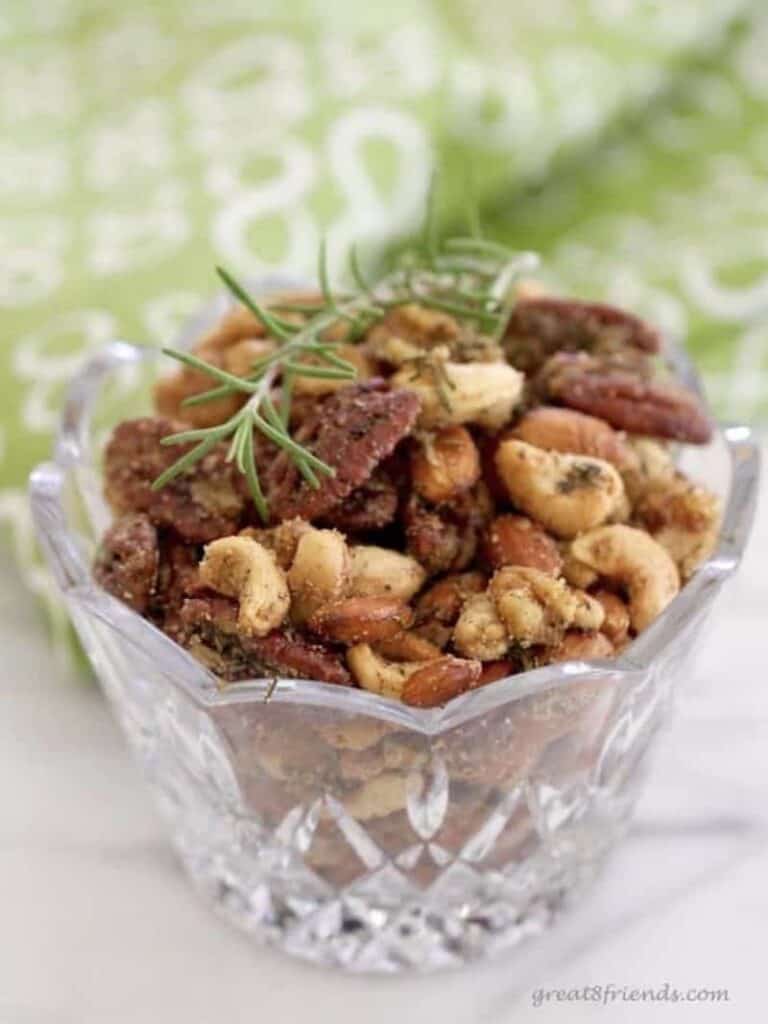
[97,925]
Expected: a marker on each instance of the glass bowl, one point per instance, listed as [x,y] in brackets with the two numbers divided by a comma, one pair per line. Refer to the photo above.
[346,828]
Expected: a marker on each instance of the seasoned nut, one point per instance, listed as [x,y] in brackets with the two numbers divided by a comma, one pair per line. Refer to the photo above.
[319,573]
[654,464]
[370,506]
[377,674]
[516,540]
[177,579]
[481,393]
[356,620]
[407,331]
[565,493]
[445,537]
[352,734]
[625,399]
[382,571]
[445,464]
[288,653]
[630,557]
[574,433]
[407,646]
[574,572]
[479,632]
[576,646]
[444,599]
[440,681]
[282,540]
[495,670]
[543,324]
[683,517]
[235,346]
[127,561]
[616,621]
[352,431]
[204,503]
[210,632]
[535,608]
[319,386]
[236,324]
[377,797]
[241,568]
[394,754]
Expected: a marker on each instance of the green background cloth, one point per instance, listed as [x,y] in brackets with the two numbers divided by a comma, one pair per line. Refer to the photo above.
[626,140]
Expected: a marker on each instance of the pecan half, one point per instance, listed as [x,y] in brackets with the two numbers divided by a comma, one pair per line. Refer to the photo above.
[625,399]
[177,579]
[127,561]
[211,634]
[352,431]
[445,537]
[371,506]
[540,326]
[204,503]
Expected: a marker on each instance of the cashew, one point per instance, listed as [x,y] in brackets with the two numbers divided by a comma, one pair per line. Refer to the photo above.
[631,557]
[382,571]
[653,464]
[377,675]
[616,622]
[282,540]
[319,572]
[683,517]
[406,332]
[535,608]
[318,386]
[479,632]
[352,733]
[481,393]
[240,567]
[377,797]
[565,493]
[575,572]
[445,464]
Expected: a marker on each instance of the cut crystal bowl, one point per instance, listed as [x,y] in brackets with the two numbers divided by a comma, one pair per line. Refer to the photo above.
[346,828]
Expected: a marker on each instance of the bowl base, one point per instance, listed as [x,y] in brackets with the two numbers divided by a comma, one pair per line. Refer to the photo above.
[363,932]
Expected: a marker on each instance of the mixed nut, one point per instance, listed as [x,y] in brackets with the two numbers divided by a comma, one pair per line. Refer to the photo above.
[495,505]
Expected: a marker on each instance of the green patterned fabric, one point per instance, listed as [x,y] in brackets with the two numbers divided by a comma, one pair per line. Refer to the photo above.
[626,140]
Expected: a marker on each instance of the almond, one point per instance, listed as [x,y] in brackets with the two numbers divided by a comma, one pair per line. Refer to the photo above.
[575,433]
[495,670]
[358,620]
[443,601]
[440,681]
[445,464]
[408,646]
[517,540]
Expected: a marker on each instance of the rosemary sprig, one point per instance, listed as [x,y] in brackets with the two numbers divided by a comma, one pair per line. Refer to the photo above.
[468,277]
